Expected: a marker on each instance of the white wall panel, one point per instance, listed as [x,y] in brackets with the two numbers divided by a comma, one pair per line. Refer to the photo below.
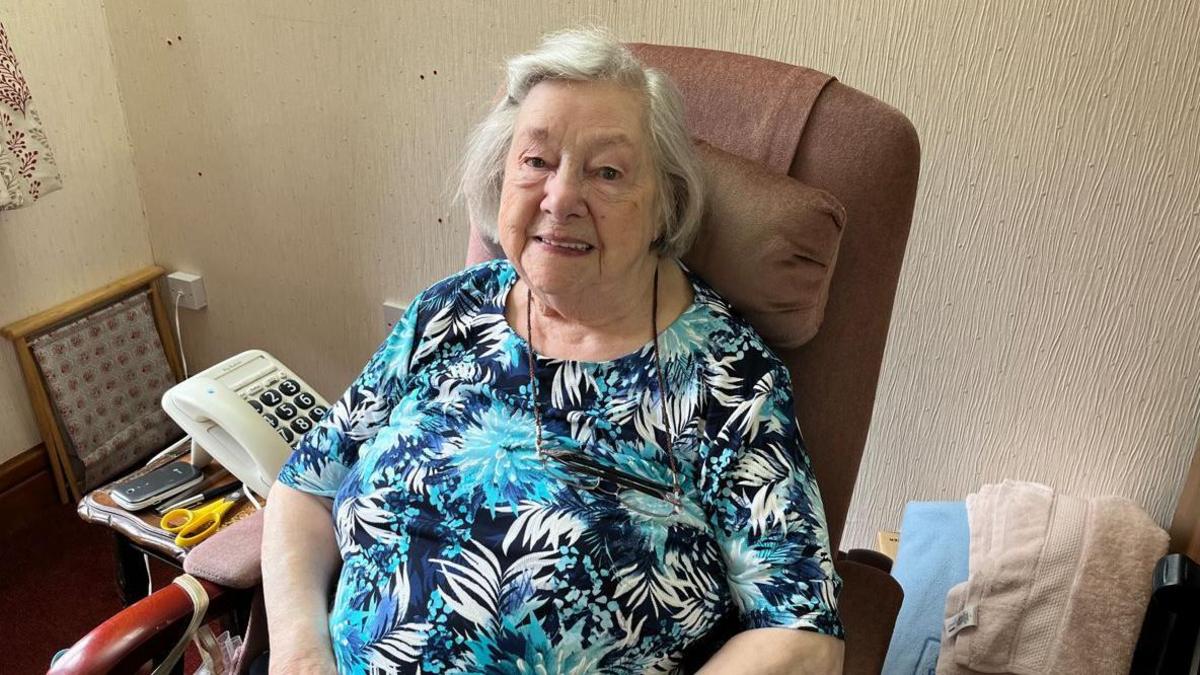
[300,156]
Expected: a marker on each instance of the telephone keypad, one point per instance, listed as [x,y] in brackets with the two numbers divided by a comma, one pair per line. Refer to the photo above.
[280,398]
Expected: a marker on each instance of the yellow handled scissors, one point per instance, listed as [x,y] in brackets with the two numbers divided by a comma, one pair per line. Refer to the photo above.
[192,526]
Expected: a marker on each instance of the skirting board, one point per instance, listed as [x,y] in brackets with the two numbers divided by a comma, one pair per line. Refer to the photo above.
[26,486]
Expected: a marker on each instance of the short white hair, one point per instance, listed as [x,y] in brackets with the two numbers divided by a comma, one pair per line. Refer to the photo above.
[591,55]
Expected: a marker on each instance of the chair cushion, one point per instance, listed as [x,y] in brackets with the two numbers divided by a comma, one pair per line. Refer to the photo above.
[231,557]
[768,244]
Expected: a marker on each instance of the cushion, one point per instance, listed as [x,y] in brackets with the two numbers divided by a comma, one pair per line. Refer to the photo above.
[232,557]
[768,244]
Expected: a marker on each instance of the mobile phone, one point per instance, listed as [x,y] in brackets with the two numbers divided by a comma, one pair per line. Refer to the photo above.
[153,487]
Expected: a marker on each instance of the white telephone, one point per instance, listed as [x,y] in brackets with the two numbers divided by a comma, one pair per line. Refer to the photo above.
[247,412]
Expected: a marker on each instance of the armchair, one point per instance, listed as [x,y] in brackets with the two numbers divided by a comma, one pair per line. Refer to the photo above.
[791,125]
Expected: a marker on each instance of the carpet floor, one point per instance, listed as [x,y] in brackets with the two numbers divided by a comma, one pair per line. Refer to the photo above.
[57,582]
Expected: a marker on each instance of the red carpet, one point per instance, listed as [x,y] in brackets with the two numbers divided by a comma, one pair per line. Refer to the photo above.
[57,582]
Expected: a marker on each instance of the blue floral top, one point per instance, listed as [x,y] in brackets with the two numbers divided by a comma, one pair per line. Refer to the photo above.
[463,552]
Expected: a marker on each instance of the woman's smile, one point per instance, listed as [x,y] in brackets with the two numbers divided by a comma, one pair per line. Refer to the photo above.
[563,246]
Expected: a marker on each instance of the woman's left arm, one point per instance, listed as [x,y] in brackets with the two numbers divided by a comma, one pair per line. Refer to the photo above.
[766,512]
[785,651]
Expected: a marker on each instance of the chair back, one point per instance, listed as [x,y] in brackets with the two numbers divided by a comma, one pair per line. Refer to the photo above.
[803,123]
[95,368]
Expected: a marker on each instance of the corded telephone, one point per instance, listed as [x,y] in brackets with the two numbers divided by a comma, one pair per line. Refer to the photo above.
[247,412]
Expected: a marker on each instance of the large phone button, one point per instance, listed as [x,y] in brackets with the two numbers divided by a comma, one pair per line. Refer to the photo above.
[290,387]
[256,405]
[270,397]
[304,400]
[301,425]
[317,413]
[272,420]
[286,411]
[286,434]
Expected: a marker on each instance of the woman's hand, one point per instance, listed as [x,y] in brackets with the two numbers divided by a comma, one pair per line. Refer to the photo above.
[300,560]
[766,651]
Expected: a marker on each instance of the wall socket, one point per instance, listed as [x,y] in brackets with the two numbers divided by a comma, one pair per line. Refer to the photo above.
[192,287]
[393,312]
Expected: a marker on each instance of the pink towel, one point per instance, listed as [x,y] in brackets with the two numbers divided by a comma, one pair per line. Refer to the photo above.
[1111,589]
[1057,584]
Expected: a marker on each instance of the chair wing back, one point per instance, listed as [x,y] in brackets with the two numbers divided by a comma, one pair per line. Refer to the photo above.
[803,123]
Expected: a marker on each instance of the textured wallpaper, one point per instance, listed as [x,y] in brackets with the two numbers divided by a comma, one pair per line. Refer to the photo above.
[301,156]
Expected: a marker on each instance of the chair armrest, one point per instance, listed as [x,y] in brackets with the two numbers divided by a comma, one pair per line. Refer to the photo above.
[141,632]
[869,603]
[227,566]
[868,557]
[1170,638]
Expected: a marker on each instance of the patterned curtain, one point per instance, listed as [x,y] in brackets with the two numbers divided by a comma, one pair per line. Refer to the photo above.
[27,167]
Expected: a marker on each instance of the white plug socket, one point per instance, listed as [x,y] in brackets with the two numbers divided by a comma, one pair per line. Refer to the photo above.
[192,287]
[393,312]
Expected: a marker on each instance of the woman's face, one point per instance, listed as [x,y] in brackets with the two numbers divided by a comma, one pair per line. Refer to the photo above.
[577,204]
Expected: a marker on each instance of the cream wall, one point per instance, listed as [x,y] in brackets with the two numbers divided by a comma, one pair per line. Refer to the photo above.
[93,230]
[298,155]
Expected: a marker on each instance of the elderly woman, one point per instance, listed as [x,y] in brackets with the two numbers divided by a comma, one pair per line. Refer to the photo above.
[576,459]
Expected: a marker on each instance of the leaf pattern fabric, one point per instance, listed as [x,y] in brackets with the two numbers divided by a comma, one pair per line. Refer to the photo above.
[463,552]
[28,170]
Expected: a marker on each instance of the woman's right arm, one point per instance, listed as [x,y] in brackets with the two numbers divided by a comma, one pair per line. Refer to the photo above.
[300,561]
[300,557]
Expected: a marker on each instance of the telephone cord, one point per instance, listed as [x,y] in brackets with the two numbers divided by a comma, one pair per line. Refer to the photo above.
[179,334]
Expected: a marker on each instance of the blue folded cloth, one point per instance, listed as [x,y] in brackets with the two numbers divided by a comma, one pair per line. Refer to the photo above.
[934,543]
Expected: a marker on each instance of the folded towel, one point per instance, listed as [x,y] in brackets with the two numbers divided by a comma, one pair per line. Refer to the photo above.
[1111,590]
[1057,584]
[932,558]
[1011,546]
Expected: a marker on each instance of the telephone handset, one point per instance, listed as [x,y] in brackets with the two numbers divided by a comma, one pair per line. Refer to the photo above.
[247,412]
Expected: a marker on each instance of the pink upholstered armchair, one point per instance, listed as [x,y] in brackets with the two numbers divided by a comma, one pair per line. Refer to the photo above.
[813,187]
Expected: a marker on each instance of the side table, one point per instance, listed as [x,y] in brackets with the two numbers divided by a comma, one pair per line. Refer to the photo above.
[139,533]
